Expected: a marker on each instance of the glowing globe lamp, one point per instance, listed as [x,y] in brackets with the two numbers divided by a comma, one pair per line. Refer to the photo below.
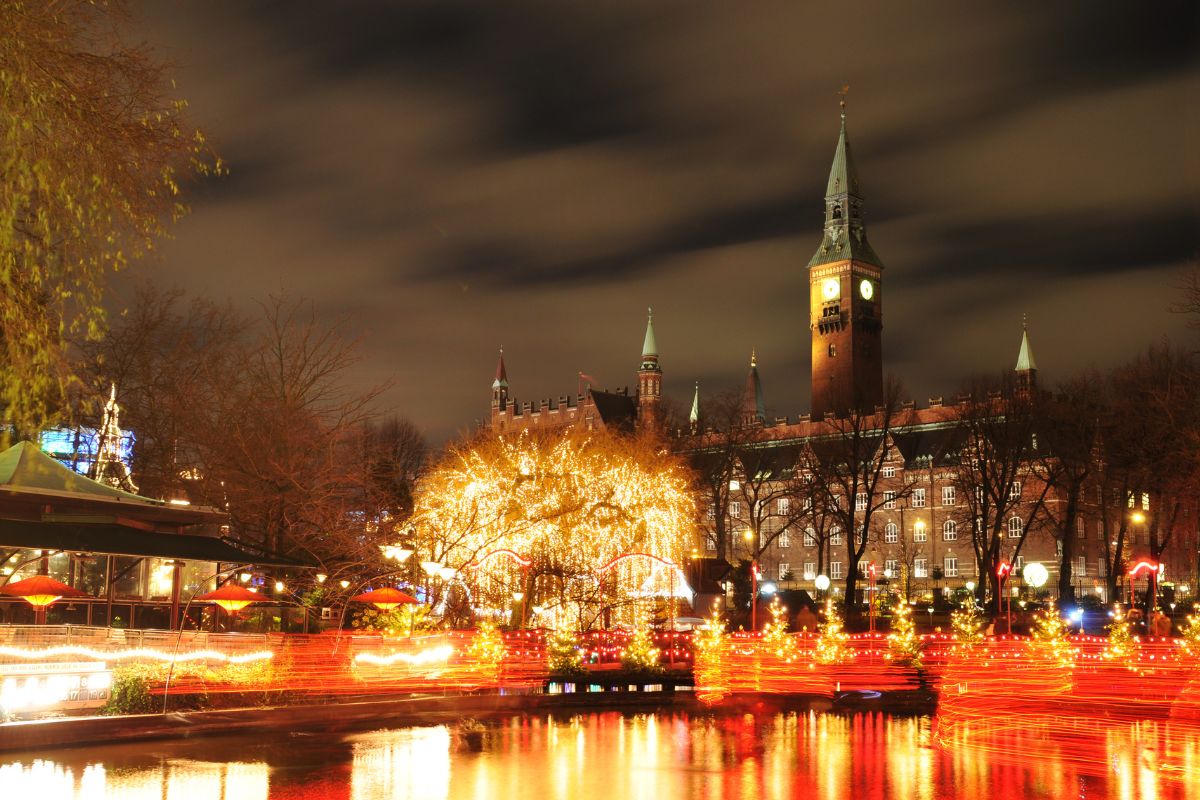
[822,582]
[1035,574]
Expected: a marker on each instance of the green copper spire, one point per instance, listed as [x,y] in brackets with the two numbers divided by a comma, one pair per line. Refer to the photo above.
[694,416]
[1025,360]
[845,233]
[649,346]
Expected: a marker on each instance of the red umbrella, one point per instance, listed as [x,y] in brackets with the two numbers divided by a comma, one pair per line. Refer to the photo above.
[385,599]
[40,590]
[232,597]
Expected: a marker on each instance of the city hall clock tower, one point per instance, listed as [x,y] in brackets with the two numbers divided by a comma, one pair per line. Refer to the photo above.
[845,299]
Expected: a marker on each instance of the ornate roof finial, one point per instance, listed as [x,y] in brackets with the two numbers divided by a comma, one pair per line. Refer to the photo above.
[753,357]
[845,90]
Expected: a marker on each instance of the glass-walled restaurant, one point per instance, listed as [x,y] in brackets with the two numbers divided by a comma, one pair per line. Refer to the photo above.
[138,561]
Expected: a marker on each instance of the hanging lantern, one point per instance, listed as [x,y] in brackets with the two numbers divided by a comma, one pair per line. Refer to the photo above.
[384,599]
[232,598]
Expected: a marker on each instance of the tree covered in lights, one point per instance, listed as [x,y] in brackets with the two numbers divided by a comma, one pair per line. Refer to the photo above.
[775,638]
[832,640]
[967,624]
[712,682]
[1122,644]
[639,653]
[1189,635]
[1049,635]
[903,645]
[557,507]
[563,655]
[487,650]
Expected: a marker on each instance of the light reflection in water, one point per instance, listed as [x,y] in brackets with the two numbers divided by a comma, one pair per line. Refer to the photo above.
[615,756]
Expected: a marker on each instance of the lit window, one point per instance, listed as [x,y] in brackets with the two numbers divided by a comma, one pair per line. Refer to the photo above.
[891,533]
[783,506]
[949,530]
[810,538]
[860,501]
[889,472]
[810,570]
[919,532]
[920,567]
[835,535]
[735,508]
[889,499]
[1014,491]
[835,569]
[918,498]
[785,571]
[1016,527]
[1101,568]
[947,495]
[1080,527]
[891,567]
[950,566]
[710,543]
[785,539]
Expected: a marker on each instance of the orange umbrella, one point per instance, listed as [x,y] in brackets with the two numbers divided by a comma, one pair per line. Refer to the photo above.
[232,597]
[385,599]
[40,590]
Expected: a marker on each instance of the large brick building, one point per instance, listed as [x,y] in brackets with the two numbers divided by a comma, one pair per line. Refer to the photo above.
[921,530]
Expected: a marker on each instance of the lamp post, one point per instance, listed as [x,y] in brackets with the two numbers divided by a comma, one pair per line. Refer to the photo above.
[871,597]
[748,535]
[1003,570]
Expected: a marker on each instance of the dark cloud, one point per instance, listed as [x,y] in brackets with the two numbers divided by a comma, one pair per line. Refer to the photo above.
[457,175]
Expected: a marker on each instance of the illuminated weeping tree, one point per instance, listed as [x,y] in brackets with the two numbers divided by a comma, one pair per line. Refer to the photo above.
[530,521]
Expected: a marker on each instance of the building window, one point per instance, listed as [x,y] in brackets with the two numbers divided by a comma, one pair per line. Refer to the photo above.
[1080,528]
[1014,491]
[832,350]
[920,567]
[860,501]
[891,533]
[735,508]
[1019,564]
[712,511]
[889,472]
[1100,529]
[950,566]
[1101,568]
[918,498]
[783,506]
[835,535]
[785,539]
[810,537]
[835,569]
[919,533]
[889,499]
[1081,566]
[947,495]
[891,567]
[949,530]
[785,571]
[810,570]
[710,542]
[1015,527]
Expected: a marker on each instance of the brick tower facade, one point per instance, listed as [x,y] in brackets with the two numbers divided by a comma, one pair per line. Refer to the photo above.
[845,298]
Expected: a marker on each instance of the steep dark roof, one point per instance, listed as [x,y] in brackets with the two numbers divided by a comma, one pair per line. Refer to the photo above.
[618,411]
[938,447]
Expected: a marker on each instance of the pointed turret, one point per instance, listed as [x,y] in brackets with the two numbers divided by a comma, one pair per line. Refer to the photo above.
[109,468]
[500,385]
[694,415]
[649,377]
[1026,370]
[753,410]
[845,232]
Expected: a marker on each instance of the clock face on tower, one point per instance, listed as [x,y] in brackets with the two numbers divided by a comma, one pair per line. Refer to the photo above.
[831,288]
[866,289]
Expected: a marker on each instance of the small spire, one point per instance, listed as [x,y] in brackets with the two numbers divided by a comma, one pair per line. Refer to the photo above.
[753,358]
[753,408]
[694,416]
[501,373]
[845,90]
[1025,360]
[649,344]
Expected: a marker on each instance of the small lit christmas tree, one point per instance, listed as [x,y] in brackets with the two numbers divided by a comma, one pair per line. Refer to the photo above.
[968,624]
[1122,644]
[487,648]
[775,637]
[712,683]
[903,645]
[639,653]
[1049,635]
[563,654]
[832,640]
[1189,635]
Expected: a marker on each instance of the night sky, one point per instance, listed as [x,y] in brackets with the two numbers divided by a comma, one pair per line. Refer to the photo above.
[454,176]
